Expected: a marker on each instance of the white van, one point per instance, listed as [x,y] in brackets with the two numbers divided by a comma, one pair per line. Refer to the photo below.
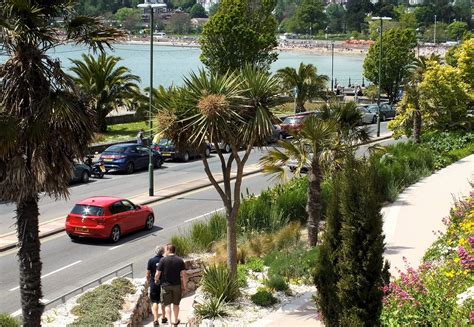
[160,35]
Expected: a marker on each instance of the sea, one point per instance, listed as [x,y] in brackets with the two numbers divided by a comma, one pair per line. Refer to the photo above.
[172,63]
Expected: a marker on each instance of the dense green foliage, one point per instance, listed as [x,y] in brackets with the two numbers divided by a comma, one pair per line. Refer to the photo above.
[7,321]
[102,306]
[294,264]
[398,54]
[241,32]
[277,283]
[217,282]
[263,298]
[349,267]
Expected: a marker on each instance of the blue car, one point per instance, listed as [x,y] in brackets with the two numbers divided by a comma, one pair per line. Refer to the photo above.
[129,157]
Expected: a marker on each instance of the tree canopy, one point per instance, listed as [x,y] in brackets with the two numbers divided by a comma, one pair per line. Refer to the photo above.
[398,45]
[241,32]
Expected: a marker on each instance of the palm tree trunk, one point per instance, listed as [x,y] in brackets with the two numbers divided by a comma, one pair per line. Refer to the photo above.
[101,121]
[232,242]
[29,261]
[313,205]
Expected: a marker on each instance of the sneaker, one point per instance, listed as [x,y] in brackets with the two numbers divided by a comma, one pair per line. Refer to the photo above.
[156,323]
[164,320]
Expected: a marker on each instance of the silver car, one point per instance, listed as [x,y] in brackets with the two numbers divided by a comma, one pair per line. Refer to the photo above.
[368,116]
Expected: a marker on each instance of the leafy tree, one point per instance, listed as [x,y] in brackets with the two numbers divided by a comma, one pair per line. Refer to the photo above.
[397,56]
[198,11]
[441,33]
[356,11]
[213,9]
[185,5]
[374,28]
[232,108]
[305,81]
[179,23]
[129,18]
[313,147]
[335,15]
[382,8]
[464,56]
[456,30]
[309,16]
[407,20]
[107,86]
[285,9]
[241,32]
[43,120]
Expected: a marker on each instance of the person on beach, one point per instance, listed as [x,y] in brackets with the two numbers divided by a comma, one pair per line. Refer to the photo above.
[155,288]
[171,274]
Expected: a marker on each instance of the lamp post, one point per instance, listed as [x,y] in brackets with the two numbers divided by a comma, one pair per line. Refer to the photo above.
[332,65]
[151,6]
[434,34]
[380,70]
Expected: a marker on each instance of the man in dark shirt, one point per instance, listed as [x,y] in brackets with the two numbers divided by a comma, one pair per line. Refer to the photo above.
[172,276]
[155,288]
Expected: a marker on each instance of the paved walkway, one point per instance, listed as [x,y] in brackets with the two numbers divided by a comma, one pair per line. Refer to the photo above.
[409,223]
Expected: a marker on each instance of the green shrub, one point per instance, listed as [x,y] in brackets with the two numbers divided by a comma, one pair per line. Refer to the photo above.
[182,243]
[201,237]
[297,264]
[277,283]
[242,274]
[218,226]
[8,321]
[263,298]
[216,282]
[290,199]
[101,306]
[287,237]
[254,264]
[212,308]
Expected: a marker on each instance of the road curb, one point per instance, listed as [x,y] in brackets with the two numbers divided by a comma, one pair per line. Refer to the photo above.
[171,195]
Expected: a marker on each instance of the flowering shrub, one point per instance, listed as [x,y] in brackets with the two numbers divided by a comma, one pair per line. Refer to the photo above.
[441,290]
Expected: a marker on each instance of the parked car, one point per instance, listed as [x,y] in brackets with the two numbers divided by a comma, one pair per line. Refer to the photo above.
[292,124]
[107,217]
[276,134]
[82,173]
[367,116]
[169,151]
[129,157]
[386,111]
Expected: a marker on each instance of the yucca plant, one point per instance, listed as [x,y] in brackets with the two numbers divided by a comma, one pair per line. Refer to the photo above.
[217,282]
[211,308]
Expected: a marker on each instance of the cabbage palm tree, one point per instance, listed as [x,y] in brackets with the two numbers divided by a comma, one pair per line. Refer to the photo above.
[232,108]
[315,149]
[305,81]
[108,87]
[44,122]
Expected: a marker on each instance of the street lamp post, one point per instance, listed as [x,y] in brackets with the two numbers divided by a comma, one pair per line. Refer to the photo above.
[434,34]
[151,6]
[380,70]
[332,65]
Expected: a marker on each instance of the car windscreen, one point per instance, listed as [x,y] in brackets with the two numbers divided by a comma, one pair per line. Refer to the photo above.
[86,210]
[372,108]
[292,120]
[164,142]
[116,148]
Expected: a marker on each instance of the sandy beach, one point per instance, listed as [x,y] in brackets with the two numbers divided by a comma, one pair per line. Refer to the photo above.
[316,47]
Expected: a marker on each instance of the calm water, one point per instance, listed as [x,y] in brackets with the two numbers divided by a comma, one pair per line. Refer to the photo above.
[172,63]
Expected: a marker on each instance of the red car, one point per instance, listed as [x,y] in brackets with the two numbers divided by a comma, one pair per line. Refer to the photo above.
[292,124]
[107,217]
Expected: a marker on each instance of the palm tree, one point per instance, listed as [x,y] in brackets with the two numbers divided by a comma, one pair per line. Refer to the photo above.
[233,108]
[108,87]
[305,82]
[44,122]
[315,148]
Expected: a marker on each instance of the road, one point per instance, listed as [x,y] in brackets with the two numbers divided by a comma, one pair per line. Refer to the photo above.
[67,265]
[127,186]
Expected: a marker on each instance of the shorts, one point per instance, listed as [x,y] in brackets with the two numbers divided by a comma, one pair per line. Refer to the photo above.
[171,294]
[155,294]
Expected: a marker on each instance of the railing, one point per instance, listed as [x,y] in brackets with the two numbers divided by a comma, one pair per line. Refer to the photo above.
[63,298]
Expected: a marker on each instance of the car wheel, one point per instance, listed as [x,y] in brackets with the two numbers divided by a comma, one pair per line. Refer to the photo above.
[130,168]
[73,237]
[227,148]
[115,234]
[157,163]
[85,177]
[150,222]
[207,152]
[185,156]
[374,119]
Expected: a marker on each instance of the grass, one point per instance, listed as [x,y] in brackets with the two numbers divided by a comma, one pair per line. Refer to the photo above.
[120,132]
[101,306]
[8,321]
